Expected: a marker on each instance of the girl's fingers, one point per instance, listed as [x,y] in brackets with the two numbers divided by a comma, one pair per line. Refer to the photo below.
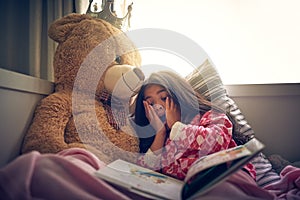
[152,112]
[172,112]
[149,110]
[168,103]
[171,104]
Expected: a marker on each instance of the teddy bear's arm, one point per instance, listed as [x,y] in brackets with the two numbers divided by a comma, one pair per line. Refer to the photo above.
[46,132]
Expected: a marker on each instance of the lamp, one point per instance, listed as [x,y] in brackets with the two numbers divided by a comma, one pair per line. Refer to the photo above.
[108,14]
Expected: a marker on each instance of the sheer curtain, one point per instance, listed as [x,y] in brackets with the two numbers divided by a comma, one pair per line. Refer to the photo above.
[24,45]
[41,47]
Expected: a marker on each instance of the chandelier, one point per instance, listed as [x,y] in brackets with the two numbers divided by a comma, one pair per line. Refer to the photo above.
[106,12]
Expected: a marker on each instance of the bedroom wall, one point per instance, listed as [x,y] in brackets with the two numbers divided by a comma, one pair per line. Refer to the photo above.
[19,95]
[273,111]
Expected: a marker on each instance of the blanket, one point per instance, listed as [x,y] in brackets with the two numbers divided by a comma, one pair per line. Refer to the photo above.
[66,175]
[288,187]
[70,175]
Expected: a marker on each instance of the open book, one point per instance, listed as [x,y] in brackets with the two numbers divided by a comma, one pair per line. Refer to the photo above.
[205,173]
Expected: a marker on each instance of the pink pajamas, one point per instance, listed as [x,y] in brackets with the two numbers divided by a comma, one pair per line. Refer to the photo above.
[204,135]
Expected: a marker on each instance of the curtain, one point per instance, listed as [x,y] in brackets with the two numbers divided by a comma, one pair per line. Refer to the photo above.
[24,45]
[41,47]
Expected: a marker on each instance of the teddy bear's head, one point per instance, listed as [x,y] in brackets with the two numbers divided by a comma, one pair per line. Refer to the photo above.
[103,53]
[93,63]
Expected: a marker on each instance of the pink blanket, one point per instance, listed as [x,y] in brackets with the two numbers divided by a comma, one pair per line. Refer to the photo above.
[66,175]
[69,175]
[289,185]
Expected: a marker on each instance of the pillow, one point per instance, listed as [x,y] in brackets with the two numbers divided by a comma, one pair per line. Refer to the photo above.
[265,173]
[206,80]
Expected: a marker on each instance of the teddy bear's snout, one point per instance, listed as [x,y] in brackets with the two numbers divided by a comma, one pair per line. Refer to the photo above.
[133,79]
[123,81]
[139,73]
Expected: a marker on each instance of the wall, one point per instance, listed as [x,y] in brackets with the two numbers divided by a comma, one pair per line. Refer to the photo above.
[19,95]
[273,111]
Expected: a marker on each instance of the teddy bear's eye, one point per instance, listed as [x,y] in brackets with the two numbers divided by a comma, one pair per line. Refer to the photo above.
[118,59]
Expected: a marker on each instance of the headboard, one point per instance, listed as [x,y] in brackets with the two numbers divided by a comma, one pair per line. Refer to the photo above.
[19,96]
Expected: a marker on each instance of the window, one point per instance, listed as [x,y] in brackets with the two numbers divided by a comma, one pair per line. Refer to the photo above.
[249,41]
[25,47]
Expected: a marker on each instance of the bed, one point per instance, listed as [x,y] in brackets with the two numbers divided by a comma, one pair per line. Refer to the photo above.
[69,174]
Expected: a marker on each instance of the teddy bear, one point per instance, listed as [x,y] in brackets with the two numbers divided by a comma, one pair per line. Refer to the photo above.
[97,72]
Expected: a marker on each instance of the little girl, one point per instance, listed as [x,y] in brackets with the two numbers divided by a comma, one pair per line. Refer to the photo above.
[176,125]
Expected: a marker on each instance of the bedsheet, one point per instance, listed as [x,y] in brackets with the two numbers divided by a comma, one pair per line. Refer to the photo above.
[69,175]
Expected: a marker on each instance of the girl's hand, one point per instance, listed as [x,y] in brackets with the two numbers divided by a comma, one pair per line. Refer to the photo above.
[173,113]
[151,115]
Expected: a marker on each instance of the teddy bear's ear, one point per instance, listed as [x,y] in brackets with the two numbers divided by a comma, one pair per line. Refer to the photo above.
[60,28]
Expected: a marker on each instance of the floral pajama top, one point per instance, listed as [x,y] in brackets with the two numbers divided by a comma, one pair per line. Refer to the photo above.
[204,135]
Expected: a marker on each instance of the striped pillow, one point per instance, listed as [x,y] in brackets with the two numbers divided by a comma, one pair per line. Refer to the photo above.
[206,80]
[265,174]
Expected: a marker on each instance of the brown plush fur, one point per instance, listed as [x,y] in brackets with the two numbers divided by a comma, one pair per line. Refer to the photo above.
[53,128]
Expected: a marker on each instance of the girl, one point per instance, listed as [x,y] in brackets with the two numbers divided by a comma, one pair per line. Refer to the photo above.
[176,125]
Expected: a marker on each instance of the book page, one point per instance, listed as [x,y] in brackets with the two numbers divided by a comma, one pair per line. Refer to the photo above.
[217,158]
[141,180]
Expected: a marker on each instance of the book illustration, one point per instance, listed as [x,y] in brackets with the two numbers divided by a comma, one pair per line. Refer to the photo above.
[141,180]
[156,178]
[144,174]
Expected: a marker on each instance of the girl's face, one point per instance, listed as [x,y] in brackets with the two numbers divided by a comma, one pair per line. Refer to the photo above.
[156,96]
